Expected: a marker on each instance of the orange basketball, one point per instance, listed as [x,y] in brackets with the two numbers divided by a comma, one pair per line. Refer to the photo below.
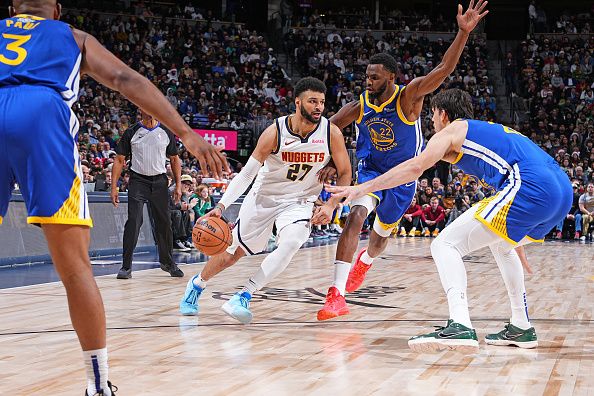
[211,236]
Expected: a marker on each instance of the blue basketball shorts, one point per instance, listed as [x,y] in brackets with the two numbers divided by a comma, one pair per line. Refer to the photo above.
[38,151]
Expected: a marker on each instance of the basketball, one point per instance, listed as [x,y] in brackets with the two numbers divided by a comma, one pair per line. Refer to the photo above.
[211,236]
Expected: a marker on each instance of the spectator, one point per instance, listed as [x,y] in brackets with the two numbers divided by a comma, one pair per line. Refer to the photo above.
[411,219]
[475,192]
[181,222]
[425,197]
[461,205]
[586,205]
[203,201]
[432,218]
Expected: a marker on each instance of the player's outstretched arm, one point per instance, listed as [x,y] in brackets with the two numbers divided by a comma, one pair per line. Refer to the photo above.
[267,143]
[408,171]
[106,68]
[412,96]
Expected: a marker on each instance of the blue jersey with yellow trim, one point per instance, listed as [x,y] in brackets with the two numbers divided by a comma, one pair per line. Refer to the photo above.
[385,137]
[491,151]
[37,51]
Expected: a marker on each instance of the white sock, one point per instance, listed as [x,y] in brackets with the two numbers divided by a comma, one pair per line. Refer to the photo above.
[458,304]
[341,275]
[366,258]
[251,287]
[452,274]
[199,282]
[96,366]
[519,311]
[512,272]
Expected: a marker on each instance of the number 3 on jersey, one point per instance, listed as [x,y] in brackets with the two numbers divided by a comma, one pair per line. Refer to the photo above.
[294,170]
[14,46]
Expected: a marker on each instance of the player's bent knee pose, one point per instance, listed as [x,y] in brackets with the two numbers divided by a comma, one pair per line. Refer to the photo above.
[533,194]
[285,162]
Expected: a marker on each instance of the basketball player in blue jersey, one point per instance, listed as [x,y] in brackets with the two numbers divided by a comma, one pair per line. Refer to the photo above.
[41,60]
[387,119]
[533,194]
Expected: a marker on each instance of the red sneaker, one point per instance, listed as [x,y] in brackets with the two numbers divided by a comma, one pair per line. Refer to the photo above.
[334,306]
[357,273]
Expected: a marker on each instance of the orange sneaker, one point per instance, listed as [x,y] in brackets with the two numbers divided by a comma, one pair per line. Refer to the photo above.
[334,306]
[357,273]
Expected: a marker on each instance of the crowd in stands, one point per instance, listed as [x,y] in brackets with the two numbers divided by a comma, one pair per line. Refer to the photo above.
[554,78]
[217,78]
[572,22]
[362,18]
[186,9]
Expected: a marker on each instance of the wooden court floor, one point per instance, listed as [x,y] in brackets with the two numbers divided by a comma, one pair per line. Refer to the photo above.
[155,351]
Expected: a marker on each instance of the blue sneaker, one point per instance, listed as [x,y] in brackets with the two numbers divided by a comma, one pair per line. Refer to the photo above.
[238,307]
[189,303]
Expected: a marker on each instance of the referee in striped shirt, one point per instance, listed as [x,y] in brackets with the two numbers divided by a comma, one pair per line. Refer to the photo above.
[149,145]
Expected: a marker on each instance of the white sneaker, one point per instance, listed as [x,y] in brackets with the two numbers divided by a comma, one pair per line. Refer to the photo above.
[337,228]
[178,245]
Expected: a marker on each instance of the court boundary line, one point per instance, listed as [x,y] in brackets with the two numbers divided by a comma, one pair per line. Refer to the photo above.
[585,322]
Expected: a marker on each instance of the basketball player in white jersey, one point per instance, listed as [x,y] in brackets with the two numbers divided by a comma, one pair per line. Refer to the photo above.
[292,151]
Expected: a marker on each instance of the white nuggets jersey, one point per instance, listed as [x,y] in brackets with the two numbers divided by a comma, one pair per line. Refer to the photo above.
[290,172]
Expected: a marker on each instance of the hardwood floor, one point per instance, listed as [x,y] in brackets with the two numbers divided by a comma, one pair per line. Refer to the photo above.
[155,351]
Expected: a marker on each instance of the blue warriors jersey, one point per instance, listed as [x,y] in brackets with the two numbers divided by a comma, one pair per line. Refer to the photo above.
[385,137]
[492,151]
[533,193]
[39,78]
[40,52]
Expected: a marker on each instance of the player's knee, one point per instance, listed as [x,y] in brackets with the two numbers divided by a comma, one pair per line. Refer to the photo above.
[291,240]
[501,249]
[439,246]
[357,217]
[291,244]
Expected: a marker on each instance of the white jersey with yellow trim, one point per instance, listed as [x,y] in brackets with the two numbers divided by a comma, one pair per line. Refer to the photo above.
[290,172]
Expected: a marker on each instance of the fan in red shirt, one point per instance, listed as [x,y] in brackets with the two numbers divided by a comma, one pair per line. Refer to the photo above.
[433,217]
[411,219]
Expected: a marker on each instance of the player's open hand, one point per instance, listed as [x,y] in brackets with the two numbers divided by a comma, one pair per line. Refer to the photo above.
[467,21]
[209,156]
[348,192]
[217,211]
[322,215]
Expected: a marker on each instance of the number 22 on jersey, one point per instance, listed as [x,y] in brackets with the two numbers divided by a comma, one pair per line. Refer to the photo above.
[13,43]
